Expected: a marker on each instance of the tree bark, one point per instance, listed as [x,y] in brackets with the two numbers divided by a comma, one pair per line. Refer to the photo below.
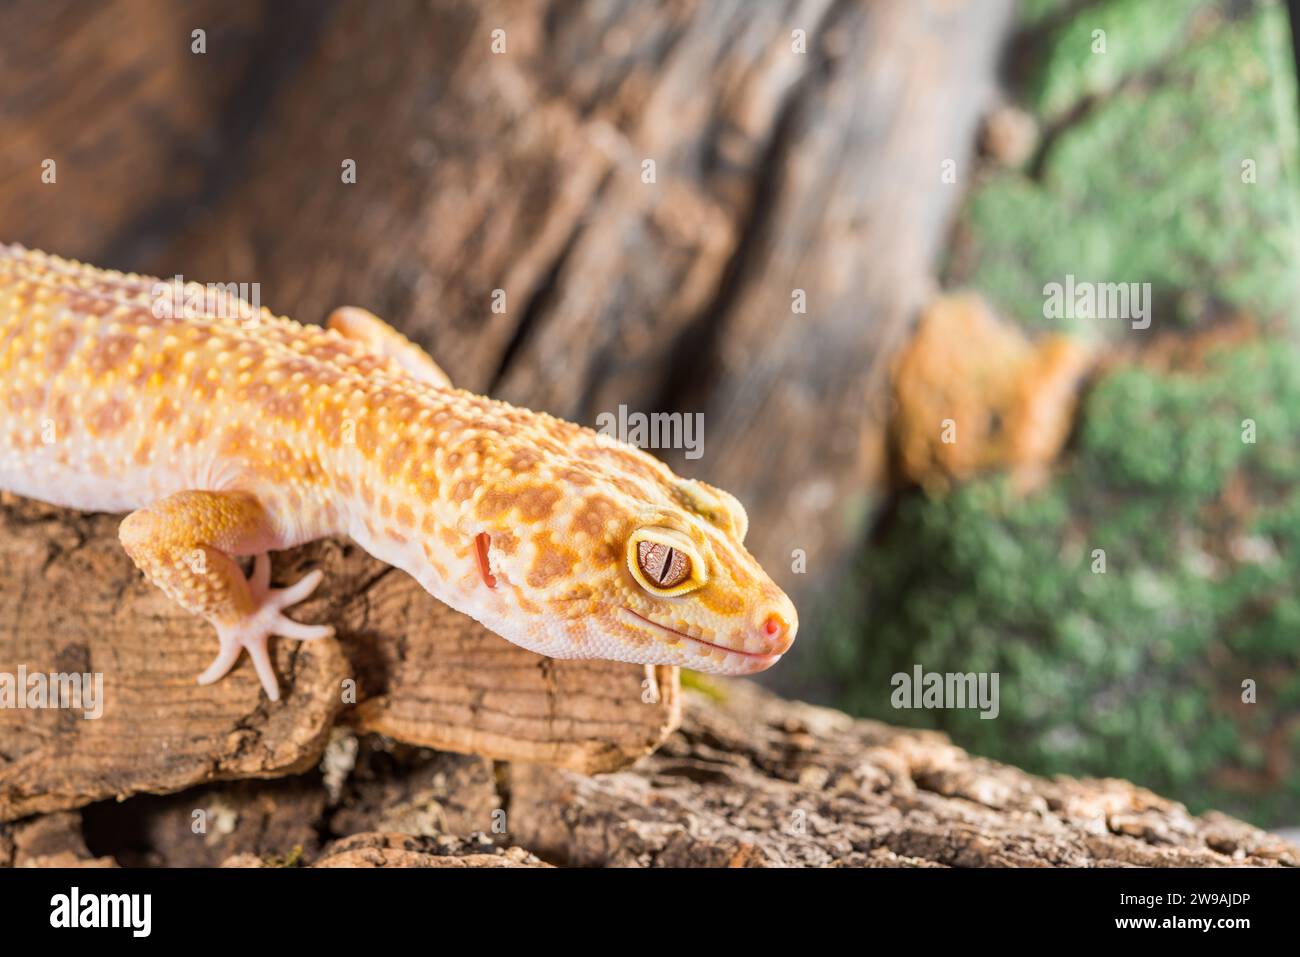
[748,780]
[403,665]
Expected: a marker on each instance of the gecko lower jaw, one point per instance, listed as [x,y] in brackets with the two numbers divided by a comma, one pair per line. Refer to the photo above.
[754,661]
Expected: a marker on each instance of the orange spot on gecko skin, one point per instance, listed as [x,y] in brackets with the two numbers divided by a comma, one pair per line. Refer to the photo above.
[552,563]
[493,503]
[235,440]
[284,405]
[523,460]
[481,542]
[165,413]
[61,414]
[396,457]
[576,477]
[404,515]
[364,438]
[60,348]
[536,502]
[108,352]
[436,565]
[527,606]
[428,487]
[331,423]
[195,433]
[108,418]
[594,515]
[463,491]
[29,399]
[630,488]
[605,554]
[720,600]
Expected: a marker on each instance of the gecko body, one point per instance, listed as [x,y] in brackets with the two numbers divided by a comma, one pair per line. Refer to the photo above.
[241,433]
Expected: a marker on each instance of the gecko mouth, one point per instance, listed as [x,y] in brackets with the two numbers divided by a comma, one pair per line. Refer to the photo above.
[753,656]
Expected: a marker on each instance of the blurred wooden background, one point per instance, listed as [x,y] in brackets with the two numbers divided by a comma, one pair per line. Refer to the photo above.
[784,161]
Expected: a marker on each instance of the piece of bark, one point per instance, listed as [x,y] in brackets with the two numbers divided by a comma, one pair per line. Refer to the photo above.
[367,784]
[749,780]
[400,789]
[203,826]
[71,601]
[54,840]
[759,781]
[376,849]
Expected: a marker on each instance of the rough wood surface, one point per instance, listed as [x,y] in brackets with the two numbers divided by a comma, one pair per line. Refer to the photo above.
[401,850]
[798,145]
[759,781]
[71,601]
[748,780]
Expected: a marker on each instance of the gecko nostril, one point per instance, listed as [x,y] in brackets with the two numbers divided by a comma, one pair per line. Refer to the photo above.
[776,633]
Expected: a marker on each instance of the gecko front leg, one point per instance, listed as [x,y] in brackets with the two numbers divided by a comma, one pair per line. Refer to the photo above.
[184,544]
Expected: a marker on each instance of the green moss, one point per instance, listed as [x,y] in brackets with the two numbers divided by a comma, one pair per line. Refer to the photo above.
[703,684]
[292,859]
[1135,672]
[1098,47]
[1034,12]
[1148,186]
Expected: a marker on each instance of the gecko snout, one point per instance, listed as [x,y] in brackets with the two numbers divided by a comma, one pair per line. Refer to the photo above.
[776,632]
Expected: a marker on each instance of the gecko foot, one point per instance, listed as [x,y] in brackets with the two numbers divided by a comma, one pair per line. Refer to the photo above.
[252,632]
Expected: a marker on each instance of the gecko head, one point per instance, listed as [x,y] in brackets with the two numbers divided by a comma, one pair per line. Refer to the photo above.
[656,576]
[693,591]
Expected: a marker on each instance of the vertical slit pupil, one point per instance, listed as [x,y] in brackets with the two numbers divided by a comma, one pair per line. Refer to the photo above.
[662,564]
[666,569]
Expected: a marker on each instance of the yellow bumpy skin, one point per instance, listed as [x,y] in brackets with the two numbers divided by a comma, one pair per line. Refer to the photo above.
[238,433]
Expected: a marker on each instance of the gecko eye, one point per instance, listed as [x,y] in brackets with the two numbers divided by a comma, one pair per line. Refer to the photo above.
[664,562]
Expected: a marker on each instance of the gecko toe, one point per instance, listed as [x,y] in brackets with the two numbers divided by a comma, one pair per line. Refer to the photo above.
[288,628]
[296,592]
[262,665]
[221,664]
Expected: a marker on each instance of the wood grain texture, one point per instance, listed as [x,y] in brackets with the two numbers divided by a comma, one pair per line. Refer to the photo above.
[749,780]
[71,601]
[753,780]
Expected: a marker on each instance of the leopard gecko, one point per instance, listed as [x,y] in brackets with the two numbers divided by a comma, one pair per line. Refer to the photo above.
[229,433]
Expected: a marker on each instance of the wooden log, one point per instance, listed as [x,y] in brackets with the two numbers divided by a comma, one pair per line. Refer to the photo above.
[754,780]
[749,780]
[400,850]
[404,665]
